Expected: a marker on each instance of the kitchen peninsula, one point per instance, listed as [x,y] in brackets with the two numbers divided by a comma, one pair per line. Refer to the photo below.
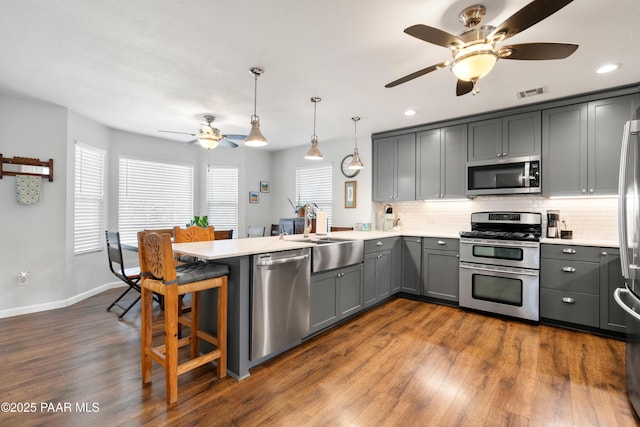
[396,254]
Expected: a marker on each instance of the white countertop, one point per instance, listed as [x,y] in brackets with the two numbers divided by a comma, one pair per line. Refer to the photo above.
[230,248]
[218,249]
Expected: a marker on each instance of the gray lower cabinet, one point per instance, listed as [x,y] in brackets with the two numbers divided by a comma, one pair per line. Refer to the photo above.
[440,269]
[379,258]
[581,146]
[394,173]
[612,317]
[441,163]
[505,137]
[411,265]
[396,264]
[335,295]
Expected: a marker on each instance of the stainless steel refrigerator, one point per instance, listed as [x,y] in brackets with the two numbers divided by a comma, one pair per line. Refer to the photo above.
[628,230]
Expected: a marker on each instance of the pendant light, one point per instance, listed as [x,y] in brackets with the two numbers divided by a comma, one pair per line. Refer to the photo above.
[314,153]
[255,137]
[356,163]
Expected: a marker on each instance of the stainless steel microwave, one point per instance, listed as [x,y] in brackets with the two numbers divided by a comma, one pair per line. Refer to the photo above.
[519,175]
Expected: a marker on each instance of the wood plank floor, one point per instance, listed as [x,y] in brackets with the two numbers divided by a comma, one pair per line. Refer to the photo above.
[404,363]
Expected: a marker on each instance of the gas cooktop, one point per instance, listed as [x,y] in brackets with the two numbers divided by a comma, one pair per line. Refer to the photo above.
[521,226]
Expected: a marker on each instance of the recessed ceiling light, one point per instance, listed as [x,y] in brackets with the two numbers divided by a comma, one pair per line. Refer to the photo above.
[410,112]
[607,68]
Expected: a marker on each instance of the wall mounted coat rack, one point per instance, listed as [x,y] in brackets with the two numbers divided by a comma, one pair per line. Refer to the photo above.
[12,166]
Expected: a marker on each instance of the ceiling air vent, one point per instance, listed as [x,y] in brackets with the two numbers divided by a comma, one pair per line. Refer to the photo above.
[531,92]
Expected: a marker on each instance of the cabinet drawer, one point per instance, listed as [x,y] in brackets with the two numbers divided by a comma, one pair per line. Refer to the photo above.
[441,244]
[575,276]
[569,252]
[572,307]
[376,245]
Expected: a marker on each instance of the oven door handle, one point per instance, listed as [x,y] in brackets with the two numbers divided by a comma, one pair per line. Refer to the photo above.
[520,272]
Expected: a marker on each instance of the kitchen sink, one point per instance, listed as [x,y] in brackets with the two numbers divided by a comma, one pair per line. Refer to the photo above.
[330,253]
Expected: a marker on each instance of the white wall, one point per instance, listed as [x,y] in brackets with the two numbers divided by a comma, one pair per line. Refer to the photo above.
[33,237]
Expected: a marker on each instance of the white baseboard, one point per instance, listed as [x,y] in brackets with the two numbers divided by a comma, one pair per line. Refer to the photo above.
[59,304]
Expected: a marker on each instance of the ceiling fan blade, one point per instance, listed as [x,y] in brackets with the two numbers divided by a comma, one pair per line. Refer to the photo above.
[528,16]
[417,74]
[539,51]
[182,133]
[433,35]
[233,136]
[193,141]
[463,87]
[227,143]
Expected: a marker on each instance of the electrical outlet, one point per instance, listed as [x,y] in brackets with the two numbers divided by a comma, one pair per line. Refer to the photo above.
[23,278]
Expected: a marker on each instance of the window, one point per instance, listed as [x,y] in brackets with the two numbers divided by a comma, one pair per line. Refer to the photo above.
[222,197]
[88,200]
[314,184]
[153,195]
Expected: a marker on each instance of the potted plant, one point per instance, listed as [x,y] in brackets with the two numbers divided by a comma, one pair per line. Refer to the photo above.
[200,221]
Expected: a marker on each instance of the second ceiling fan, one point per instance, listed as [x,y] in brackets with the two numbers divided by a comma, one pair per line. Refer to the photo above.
[475,52]
[210,137]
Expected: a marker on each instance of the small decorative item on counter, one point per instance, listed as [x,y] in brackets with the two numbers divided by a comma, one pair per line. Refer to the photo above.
[565,233]
[362,226]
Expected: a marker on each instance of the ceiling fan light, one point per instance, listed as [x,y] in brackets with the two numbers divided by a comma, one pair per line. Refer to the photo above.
[314,153]
[255,137]
[473,62]
[208,142]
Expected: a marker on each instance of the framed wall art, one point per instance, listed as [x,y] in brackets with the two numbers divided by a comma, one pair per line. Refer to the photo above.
[264,186]
[254,197]
[350,188]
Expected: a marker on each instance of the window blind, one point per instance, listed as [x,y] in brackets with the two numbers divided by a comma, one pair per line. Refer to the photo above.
[153,195]
[222,197]
[88,200]
[314,184]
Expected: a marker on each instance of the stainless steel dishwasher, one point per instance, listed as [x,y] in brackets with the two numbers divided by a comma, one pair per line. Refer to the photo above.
[280,300]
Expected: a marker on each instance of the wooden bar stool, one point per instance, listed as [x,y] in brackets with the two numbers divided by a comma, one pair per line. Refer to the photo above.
[159,274]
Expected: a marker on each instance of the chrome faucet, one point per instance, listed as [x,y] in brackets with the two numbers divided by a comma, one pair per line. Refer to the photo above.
[308,208]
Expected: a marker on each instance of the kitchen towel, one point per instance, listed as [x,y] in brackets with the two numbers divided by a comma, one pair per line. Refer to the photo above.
[321,222]
[28,189]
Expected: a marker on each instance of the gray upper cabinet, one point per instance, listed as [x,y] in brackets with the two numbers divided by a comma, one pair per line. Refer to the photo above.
[394,173]
[581,146]
[505,137]
[440,162]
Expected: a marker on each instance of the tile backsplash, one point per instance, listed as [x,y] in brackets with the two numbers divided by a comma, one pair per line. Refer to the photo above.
[589,218]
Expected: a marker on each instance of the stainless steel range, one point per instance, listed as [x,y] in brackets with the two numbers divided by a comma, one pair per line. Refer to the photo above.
[500,264]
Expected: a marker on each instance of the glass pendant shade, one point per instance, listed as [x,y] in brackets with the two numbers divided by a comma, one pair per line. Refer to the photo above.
[314,153]
[356,163]
[255,137]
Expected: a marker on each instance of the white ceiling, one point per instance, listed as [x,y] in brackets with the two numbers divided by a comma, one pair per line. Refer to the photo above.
[146,65]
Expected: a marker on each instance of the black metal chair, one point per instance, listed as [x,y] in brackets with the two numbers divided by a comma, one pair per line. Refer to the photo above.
[130,276]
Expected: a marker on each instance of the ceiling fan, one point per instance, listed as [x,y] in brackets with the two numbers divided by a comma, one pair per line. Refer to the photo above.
[475,52]
[210,137]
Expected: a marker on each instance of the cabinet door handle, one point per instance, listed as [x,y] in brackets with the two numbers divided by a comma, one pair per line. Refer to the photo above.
[584,190]
[568,300]
[568,269]
[499,155]
[604,254]
[379,255]
[504,154]
[569,251]
[442,242]
[591,190]
[378,243]
[340,275]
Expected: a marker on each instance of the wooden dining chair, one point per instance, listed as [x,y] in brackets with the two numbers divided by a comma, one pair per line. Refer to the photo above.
[193,233]
[160,274]
[341,228]
[223,234]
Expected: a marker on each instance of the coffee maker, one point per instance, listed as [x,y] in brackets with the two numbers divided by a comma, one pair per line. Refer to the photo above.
[553,223]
